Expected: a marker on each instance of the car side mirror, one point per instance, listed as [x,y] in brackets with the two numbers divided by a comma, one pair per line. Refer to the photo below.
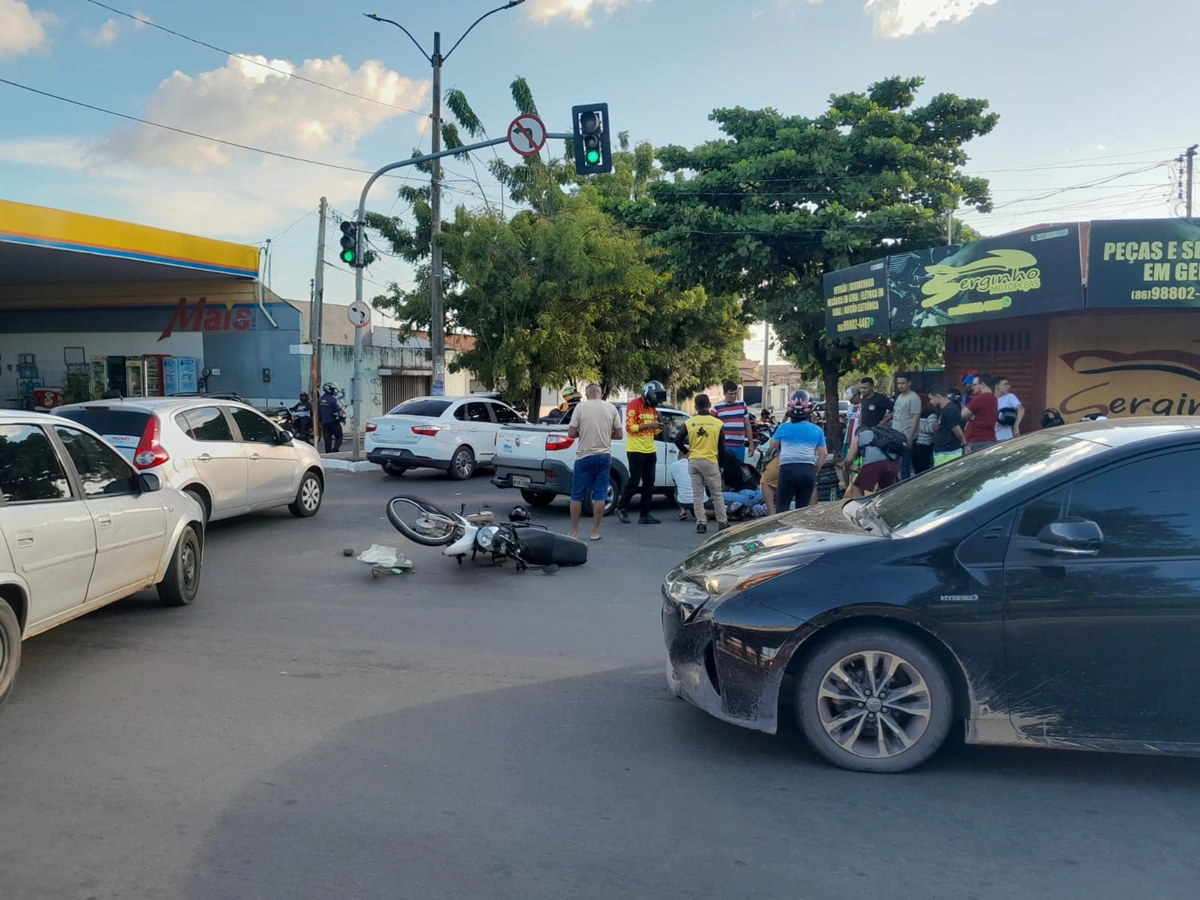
[148,482]
[1072,536]
[283,438]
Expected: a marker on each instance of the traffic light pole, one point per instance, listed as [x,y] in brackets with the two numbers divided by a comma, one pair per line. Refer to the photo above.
[356,382]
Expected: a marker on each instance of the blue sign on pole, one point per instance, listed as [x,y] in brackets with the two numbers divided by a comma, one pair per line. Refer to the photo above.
[439,388]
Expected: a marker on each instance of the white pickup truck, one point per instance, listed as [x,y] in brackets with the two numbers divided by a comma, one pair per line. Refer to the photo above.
[539,460]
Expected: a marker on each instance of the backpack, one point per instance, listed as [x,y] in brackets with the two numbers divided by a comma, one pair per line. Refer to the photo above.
[888,441]
[1007,416]
[1052,418]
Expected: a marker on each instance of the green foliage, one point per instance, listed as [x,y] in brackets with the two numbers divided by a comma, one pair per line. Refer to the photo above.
[766,211]
[562,290]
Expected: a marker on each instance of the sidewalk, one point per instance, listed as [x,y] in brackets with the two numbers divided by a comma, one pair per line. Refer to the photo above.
[343,461]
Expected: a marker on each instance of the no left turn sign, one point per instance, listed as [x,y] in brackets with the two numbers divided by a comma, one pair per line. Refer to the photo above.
[527,135]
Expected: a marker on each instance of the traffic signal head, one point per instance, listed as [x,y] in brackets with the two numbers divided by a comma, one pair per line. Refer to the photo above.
[350,243]
[593,147]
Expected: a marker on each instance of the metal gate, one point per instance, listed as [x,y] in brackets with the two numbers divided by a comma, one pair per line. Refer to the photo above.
[398,388]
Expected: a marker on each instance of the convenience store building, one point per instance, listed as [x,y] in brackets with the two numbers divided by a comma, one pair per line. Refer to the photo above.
[89,304]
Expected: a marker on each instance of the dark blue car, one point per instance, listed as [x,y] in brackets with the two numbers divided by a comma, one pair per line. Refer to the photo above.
[1042,592]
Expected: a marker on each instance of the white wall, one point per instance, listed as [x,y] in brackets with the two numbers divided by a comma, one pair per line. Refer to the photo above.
[52,366]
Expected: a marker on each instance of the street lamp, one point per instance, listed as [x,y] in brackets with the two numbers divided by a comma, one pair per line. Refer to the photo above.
[437,325]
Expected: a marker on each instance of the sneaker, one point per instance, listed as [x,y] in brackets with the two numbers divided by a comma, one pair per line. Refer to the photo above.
[649,520]
[682,515]
[722,526]
[623,516]
[701,528]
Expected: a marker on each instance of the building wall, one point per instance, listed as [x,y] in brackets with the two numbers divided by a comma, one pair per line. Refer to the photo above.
[1146,364]
[232,334]
[337,366]
[1013,348]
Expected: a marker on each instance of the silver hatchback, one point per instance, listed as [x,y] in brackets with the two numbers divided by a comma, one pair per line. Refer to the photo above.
[229,456]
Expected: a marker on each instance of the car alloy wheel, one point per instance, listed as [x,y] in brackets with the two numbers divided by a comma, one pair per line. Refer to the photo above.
[873,704]
[462,466]
[874,700]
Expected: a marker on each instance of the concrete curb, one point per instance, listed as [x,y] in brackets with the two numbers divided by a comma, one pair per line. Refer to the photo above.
[345,465]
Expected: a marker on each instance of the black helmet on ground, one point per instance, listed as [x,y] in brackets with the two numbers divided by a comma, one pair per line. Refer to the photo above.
[654,394]
[520,515]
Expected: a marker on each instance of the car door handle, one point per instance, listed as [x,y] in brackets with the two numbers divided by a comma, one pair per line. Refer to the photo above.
[255,456]
[204,457]
[24,538]
[105,521]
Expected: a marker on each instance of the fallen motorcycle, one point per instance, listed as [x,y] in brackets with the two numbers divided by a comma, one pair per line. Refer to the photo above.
[519,540]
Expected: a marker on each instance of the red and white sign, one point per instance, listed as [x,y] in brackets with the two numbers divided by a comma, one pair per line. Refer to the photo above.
[527,135]
[359,314]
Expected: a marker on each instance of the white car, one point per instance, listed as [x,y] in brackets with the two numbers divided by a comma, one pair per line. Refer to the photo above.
[231,457]
[80,528]
[456,434]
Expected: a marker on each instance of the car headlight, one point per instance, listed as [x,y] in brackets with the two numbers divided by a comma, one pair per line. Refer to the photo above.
[744,577]
[487,537]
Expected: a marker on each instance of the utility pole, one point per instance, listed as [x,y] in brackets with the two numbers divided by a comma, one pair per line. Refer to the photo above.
[950,226]
[766,397]
[437,314]
[1191,157]
[316,317]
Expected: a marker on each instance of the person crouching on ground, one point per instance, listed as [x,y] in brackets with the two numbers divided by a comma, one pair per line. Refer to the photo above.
[595,424]
[682,479]
[705,445]
[802,453]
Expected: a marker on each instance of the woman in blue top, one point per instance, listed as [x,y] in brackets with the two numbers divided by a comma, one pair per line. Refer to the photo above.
[802,453]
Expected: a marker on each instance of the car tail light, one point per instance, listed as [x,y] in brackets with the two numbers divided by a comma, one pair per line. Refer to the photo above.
[427,430]
[371,426]
[150,452]
[559,442]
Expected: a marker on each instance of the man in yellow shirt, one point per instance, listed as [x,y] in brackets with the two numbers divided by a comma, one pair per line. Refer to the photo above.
[706,445]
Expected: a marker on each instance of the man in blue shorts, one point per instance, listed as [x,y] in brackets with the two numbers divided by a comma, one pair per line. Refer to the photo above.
[595,424]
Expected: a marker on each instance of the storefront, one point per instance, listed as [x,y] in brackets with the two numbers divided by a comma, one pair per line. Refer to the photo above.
[1097,317]
[89,305]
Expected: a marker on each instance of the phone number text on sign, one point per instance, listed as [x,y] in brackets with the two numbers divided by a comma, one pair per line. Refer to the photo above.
[855,324]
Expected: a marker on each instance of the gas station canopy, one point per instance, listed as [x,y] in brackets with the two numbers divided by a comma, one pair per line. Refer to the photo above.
[41,246]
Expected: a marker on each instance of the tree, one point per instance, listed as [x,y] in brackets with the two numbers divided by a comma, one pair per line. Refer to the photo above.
[563,289]
[766,211]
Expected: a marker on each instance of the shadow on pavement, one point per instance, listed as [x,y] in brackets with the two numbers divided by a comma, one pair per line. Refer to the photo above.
[605,786]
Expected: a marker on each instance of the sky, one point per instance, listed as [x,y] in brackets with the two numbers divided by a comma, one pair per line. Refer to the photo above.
[1096,98]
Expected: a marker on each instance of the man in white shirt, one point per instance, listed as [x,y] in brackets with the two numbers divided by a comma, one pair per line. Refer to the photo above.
[1008,424]
[683,485]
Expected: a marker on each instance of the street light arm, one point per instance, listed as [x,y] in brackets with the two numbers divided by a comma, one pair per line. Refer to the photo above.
[406,31]
[508,5]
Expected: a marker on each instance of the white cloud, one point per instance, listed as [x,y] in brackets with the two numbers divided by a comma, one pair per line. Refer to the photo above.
[112,29]
[170,180]
[903,18]
[578,11]
[252,101]
[21,29]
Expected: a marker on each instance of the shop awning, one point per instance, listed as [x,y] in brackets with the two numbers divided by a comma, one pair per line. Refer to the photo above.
[41,246]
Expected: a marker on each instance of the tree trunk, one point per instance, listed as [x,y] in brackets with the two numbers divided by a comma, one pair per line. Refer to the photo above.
[833,418]
[535,404]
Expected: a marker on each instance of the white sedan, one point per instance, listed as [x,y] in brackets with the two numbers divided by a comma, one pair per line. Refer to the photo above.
[455,434]
[231,457]
[80,528]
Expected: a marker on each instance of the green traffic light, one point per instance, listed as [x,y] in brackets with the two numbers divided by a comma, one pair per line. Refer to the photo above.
[593,157]
[348,257]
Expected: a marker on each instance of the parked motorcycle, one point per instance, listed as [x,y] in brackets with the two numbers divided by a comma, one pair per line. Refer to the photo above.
[519,540]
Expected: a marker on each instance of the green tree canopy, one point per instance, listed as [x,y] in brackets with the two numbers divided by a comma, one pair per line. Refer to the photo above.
[766,211]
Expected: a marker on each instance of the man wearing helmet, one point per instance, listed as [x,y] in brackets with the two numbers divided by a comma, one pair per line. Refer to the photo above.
[641,425]
[802,453]
[330,415]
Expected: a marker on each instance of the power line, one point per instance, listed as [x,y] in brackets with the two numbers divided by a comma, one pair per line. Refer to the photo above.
[249,59]
[184,131]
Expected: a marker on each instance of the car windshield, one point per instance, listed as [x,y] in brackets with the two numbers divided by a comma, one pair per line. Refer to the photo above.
[956,488]
[123,428]
[428,409]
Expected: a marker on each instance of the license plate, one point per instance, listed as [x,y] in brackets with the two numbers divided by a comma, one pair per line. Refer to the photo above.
[390,452]
[520,482]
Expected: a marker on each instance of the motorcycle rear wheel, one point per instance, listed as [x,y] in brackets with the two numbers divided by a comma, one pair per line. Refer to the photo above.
[421,521]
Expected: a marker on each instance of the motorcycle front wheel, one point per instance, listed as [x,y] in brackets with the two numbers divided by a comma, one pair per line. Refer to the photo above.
[421,521]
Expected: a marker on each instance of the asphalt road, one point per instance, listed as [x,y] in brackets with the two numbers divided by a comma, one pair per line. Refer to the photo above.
[305,732]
